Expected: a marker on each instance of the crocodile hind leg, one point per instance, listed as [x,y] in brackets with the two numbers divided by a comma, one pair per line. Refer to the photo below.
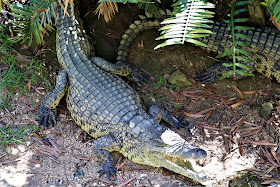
[158,112]
[123,69]
[101,148]
[47,110]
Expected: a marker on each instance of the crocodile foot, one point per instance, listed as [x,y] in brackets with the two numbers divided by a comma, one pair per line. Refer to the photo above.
[212,74]
[47,117]
[108,169]
[139,76]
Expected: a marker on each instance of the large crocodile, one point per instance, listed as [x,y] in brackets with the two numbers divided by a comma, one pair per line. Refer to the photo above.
[108,109]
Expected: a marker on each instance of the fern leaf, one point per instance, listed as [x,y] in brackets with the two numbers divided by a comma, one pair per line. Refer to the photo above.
[189,21]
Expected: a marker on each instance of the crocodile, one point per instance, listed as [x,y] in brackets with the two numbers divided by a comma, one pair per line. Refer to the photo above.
[108,109]
[265,43]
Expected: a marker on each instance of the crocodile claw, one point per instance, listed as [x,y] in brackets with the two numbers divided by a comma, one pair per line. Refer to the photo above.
[179,122]
[107,169]
[139,76]
[212,74]
[47,117]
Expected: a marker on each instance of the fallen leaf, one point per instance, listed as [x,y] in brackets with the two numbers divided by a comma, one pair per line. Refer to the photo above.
[237,104]
[239,92]
[209,127]
[205,111]
[262,142]
[271,181]
[194,115]
[29,85]
[237,125]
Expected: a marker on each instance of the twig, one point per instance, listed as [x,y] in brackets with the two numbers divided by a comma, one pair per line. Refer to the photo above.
[126,182]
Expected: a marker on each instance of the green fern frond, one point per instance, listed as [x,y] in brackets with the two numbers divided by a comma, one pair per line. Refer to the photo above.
[189,22]
[238,52]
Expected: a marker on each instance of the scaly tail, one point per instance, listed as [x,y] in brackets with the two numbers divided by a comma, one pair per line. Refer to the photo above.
[145,23]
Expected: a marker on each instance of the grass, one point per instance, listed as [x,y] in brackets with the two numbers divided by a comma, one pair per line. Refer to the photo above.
[9,135]
[15,75]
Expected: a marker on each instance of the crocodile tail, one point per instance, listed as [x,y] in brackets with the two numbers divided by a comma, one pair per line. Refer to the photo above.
[83,38]
[145,23]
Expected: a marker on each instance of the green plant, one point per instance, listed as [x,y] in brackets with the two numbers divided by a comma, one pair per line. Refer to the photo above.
[188,22]
[150,7]
[2,3]
[173,86]
[273,7]
[157,84]
[15,75]
[237,53]
[177,106]
[9,135]
[34,20]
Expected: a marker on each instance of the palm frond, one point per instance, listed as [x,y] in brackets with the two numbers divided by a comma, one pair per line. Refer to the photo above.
[150,7]
[189,22]
[273,7]
[2,3]
[107,9]
[123,1]
[33,21]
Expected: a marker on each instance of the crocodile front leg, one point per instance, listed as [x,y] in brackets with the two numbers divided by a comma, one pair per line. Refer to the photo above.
[216,71]
[133,73]
[158,112]
[101,148]
[47,110]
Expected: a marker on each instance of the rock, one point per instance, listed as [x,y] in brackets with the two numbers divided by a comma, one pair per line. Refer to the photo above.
[266,111]
[179,78]
[257,13]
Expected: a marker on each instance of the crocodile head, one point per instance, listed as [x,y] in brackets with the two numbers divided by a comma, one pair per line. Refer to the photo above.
[170,144]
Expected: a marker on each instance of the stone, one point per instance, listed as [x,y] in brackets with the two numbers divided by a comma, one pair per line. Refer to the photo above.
[266,111]
[178,78]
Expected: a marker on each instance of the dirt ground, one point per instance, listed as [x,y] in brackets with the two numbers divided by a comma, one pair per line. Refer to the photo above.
[225,114]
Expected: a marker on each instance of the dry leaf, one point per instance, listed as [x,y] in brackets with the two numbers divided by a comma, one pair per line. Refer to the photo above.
[239,92]
[194,115]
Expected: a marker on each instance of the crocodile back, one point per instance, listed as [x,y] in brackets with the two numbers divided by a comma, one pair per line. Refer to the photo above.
[265,44]
[263,39]
[95,97]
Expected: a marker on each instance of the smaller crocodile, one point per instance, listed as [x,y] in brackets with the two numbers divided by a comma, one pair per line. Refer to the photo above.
[265,43]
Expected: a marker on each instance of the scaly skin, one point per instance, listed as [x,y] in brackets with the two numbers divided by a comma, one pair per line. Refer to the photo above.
[107,108]
[265,44]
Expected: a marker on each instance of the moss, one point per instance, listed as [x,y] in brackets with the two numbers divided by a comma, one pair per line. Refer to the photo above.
[246,180]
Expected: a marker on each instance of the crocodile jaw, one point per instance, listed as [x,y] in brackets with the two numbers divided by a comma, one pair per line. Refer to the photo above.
[175,146]
[170,144]
[199,177]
